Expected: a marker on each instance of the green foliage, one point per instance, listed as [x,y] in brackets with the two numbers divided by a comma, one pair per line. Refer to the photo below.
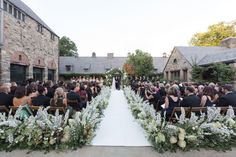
[218,72]
[215,34]
[142,63]
[113,73]
[67,47]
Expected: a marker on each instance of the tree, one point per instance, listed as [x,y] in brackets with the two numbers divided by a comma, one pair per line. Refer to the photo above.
[215,34]
[67,47]
[141,62]
[218,72]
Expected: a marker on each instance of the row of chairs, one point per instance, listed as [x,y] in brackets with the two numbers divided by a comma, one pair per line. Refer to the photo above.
[52,109]
[189,110]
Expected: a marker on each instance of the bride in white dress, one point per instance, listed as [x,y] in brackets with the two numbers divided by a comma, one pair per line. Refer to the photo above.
[113,86]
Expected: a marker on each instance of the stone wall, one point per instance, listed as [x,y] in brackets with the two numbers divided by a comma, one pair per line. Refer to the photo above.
[23,38]
[177,62]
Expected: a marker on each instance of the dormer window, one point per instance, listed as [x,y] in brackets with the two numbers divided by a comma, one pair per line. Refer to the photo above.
[40,28]
[5,6]
[68,68]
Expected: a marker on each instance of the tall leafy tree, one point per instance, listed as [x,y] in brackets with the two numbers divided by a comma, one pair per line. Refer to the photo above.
[214,35]
[141,62]
[67,47]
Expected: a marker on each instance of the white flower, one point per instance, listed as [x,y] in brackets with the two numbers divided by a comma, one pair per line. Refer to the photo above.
[182,131]
[160,137]
[191,138]
[230,121]
[182,144]
[52,141]
[181,136]
[217,125]
[173,140]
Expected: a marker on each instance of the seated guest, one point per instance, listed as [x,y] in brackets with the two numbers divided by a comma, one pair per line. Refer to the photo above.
[73,99]
[207,97]
[41,99]
[19,97]
[59,98]
[229,99]
[5,98]
[31,92]
[13,88]
[171,101]
[83,96]
[191,100]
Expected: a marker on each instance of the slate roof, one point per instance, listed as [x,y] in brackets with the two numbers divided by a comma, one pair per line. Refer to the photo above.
[228,55]
[194,54]
[101,64]
[22,6]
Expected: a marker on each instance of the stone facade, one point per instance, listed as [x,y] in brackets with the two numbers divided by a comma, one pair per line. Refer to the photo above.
[177,67]
[24,45]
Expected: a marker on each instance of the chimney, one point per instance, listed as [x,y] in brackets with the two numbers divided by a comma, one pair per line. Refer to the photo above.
[164,55]
[229,42]
[93,54]
[110,55]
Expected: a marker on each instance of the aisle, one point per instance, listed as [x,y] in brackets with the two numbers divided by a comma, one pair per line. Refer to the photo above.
[118,127]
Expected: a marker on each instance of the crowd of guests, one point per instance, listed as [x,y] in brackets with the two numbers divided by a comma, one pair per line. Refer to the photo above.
[73,95]
[165,96]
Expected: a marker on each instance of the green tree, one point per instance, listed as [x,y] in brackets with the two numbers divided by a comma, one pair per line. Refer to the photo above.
[67,47]
[218,72]
[214,35]
[141,62]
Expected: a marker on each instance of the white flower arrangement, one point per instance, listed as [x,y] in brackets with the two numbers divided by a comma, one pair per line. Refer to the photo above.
[207,130]
[46,131]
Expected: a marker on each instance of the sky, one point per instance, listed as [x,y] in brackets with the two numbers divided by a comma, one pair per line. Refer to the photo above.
[122,26]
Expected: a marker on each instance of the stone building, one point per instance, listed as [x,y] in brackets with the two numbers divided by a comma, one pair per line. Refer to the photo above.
[28,47]
[181,60]
[99,65]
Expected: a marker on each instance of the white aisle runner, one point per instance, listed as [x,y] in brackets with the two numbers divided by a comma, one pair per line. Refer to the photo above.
[118,127]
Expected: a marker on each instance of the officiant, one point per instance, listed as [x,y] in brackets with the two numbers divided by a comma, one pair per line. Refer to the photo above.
[117,82]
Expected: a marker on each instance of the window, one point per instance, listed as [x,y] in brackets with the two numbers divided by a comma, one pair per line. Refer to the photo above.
[52,37]
[19,15]
[38,74]
[10,9]
[175,75]
[23,17]
[167,75]
[51,74]
[40,28]
[5,6]
[175,61]
[68,68]
[185,75]
[15,12]
[20,57]
[17,73]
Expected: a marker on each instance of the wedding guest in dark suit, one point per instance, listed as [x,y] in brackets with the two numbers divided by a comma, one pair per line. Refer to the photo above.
[5,98]
[191,100]
[41,99]
[229,99]
[73,99]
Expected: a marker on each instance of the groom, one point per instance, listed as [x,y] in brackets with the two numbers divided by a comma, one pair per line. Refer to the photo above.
[117,83]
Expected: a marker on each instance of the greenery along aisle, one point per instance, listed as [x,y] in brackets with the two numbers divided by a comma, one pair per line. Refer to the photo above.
[211,131]
[45,131]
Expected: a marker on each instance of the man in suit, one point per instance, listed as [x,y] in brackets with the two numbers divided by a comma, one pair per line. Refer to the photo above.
[41,99]
[191,100]
[229,99]
[5,98]
[73,96]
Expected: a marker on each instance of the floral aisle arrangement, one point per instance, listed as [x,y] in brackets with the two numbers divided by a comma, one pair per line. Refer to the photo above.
[45,131]
[208,131]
